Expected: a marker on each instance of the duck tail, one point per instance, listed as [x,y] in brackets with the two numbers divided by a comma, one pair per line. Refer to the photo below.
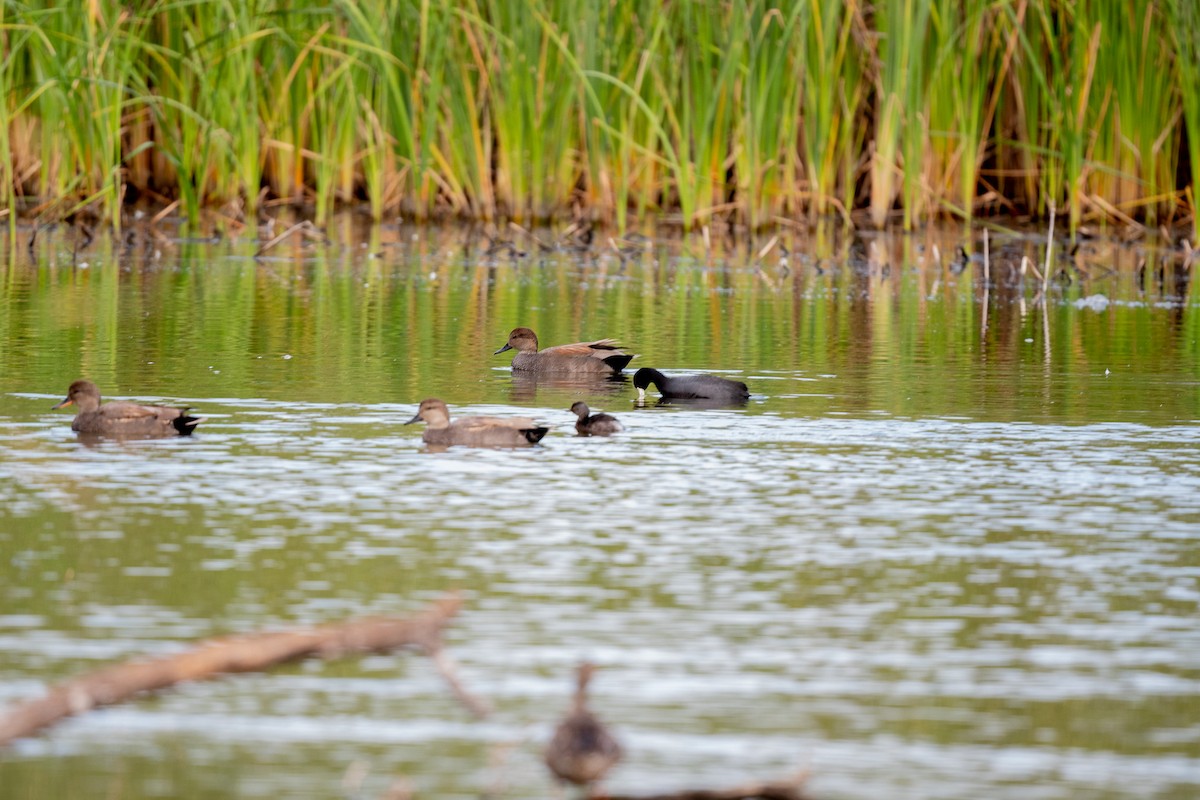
[618,362]
[534,435]
[185,424]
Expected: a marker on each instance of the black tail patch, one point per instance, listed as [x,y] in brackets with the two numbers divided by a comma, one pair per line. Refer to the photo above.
[534,435]
[185,424]
[618,363]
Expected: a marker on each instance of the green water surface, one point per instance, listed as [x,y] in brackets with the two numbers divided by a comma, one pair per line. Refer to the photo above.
[937,555]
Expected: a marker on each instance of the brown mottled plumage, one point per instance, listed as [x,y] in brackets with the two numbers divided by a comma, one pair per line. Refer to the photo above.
[582,750]
[125,419]
[600,356]
[475,431]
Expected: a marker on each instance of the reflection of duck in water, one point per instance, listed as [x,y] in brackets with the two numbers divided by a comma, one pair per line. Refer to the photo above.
[525,385]
[123,419]
[602,356]
[590,424]
[582,750]
[691,387]
[475,431]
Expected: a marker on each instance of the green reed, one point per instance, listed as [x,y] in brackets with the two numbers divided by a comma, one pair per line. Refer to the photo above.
[832,94]
[7,175]
[749,110]
[767,163]
[1184,24]
[1146,107]
[900,92]
[965,40]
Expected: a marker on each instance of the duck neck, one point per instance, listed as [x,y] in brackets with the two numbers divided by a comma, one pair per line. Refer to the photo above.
[579,701]
[584,675]
[436,420]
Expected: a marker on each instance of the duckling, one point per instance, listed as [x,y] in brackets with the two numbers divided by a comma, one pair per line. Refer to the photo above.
[582,750]
[594,424]
[124,419]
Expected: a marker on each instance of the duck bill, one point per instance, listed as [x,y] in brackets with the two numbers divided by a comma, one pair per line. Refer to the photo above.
[502,349]
[416,418]
[641,394]
[63,404]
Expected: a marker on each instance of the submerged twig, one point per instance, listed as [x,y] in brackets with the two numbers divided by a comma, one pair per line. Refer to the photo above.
[1027,264]
[307,227]
[768,247]
[987,279]
[628,249]
[246,653]
[1049,247]
[164,212]
[542,246]
[1045,331]
[497,246]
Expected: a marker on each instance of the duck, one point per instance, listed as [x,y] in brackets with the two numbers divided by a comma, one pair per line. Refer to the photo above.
[603,356]
[690,387]
[124,419]
[475,431]
[590,424]
[582,750]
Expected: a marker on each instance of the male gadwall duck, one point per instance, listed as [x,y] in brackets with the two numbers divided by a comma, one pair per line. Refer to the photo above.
[601,356]
[691,387]
[475,431]
[590,424]
[121,418]
[581,750]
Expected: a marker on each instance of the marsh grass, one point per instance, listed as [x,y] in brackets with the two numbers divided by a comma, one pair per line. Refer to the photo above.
[746,110]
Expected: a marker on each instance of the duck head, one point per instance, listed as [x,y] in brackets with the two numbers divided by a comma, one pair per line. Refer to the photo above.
[523,340]
[432,412]
[82,394]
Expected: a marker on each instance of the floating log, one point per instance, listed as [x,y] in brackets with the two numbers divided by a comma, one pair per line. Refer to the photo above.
[243,653]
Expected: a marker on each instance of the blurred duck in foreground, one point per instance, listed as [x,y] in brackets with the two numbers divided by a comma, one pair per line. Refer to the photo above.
[475,431]
[582,750]
[691,387]
[124,419]
[590,424]
[600,356]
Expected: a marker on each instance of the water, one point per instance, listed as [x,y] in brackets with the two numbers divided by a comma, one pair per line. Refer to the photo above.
[931,558]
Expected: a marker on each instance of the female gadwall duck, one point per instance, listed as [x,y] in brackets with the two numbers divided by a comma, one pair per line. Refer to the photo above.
[691,387]
[475,431]
[581,750]
[590,424]
[601,356]
[121,418]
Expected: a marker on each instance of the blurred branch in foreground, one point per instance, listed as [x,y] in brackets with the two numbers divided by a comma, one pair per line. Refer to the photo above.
[771,790]
[246,653]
